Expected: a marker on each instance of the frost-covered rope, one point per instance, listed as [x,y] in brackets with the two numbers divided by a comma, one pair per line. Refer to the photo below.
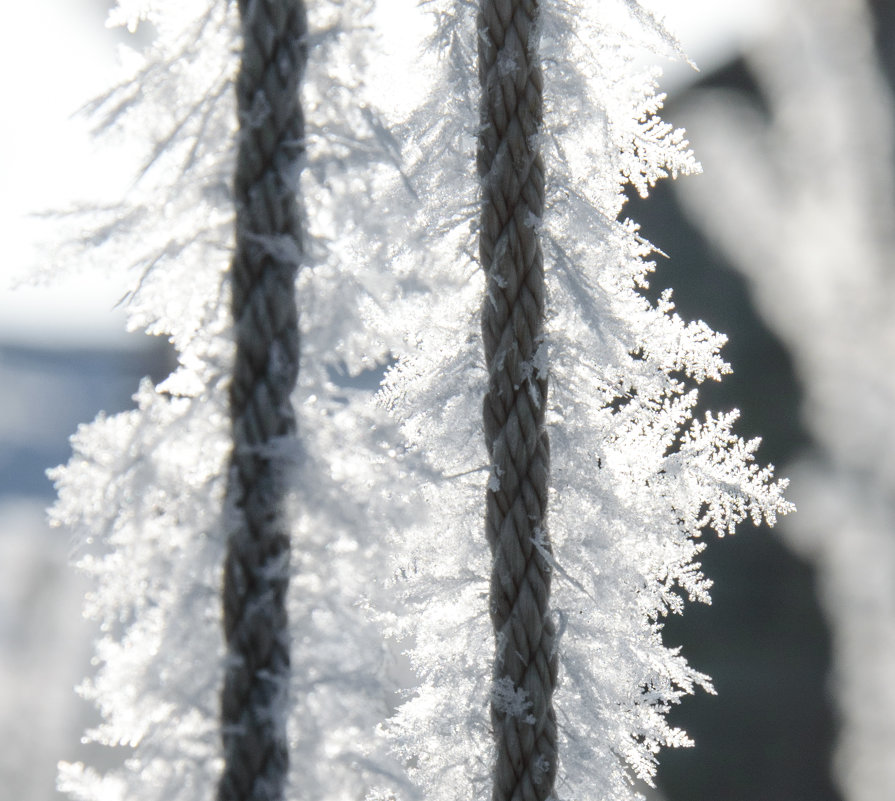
[512,174]
[268,247]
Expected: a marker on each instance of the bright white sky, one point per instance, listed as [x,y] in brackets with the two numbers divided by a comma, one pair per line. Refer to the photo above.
[55,55]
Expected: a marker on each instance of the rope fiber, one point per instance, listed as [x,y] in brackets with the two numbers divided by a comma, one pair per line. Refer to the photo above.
[263,271]
[512,176]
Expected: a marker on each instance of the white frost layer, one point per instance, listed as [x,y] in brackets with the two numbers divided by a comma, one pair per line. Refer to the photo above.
[634,478]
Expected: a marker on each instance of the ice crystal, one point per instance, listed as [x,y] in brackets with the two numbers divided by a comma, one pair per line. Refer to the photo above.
[634,478]
[144,491]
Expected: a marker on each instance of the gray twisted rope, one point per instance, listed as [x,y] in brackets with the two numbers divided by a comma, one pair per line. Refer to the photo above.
[268,248]
[512,174]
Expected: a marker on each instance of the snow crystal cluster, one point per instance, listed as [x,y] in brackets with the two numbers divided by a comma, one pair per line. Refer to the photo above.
[635,479]
[144,491]
[389,547]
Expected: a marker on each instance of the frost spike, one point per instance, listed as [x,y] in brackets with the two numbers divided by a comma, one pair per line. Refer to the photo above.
[512,175]
[256,569]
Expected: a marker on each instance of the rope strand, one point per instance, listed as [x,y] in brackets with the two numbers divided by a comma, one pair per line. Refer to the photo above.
[263,272]
[512,175]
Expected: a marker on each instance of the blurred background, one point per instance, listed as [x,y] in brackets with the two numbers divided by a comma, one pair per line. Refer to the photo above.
[783,243]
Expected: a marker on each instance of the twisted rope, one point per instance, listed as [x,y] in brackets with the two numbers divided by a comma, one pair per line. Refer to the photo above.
[512,174]
[268,248]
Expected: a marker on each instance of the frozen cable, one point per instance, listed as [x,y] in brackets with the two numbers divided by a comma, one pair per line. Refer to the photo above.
[266,259]
[512,176]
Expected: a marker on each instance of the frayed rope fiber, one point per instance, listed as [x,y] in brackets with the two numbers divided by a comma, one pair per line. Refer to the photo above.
[263,272]
[512,175]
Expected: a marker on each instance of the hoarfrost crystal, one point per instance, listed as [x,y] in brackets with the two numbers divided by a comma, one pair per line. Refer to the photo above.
[634,478]
[144,491]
